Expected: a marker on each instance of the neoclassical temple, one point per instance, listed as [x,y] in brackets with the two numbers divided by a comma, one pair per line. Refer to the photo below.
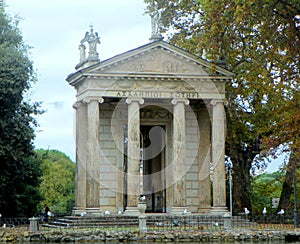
[149,122]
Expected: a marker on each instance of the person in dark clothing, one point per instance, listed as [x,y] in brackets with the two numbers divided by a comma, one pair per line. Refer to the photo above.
[47,210]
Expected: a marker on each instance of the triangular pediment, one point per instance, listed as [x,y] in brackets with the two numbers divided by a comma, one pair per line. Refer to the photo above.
[157,58]
[158,69]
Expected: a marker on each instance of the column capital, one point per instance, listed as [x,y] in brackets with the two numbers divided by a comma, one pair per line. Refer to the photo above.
[87,100]
[77,104]
[213,102]
[101,100]
[130,100]
[180,100]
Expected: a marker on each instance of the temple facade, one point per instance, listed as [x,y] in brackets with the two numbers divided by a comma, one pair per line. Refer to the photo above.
[150,122]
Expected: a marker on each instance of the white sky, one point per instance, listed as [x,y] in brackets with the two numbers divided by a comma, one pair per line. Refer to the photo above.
[54,29]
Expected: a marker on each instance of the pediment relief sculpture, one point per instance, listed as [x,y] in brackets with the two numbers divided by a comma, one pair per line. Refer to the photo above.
[157,60]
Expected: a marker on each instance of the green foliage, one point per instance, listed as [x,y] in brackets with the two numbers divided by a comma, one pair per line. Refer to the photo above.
[267,186]
[19,169]
[263,188]
[58,180]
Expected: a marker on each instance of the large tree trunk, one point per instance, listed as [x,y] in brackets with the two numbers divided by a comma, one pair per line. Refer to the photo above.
[242,149]
[288,183]
[241,183]
[286,191]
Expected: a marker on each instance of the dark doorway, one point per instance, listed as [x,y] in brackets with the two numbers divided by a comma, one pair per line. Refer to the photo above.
[153,139]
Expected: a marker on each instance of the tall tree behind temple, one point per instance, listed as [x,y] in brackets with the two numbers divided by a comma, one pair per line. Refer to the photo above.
[19,170]
[58,181]
[259,41]
[287,132]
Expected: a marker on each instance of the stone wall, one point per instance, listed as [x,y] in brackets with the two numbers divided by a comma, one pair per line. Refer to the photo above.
[95,235]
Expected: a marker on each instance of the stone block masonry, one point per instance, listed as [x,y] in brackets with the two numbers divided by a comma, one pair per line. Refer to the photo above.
[22,235]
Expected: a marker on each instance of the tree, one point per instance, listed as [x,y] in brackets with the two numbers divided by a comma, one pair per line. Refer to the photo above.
[286,131]
[259,42]
[58,180]
[19,170]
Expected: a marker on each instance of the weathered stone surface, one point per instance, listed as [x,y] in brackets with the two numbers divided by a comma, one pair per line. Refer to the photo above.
[181,236]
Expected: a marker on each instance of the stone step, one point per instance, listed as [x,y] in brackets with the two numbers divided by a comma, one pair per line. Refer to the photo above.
[84,222]
[152,220]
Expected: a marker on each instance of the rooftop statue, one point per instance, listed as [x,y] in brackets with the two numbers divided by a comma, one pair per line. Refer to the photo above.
[82,52]
[155,15]
[92,39]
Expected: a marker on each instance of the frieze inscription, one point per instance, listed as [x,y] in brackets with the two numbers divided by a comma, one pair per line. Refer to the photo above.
[158,94]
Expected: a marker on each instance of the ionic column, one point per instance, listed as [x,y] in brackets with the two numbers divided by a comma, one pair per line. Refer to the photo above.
[133,154]
[204,159]
[218,154]
[93,154]
[80,174]
[178,162]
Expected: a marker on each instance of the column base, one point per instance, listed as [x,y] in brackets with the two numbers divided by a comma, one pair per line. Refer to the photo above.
[219,210]
[180,211]
[205,210]
[94,212]
[78,210]
[133,211]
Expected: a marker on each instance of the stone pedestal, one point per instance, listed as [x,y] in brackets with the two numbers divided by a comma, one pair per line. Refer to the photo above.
[227,221]
[142,218]
[33,224]
[142,206]
[142,223]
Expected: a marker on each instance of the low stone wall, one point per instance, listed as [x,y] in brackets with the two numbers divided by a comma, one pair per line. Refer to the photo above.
[94,235]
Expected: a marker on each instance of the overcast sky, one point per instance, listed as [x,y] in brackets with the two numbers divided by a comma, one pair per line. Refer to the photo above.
[54,29]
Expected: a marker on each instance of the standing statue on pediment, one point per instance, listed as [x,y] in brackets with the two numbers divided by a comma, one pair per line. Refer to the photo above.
[155,18]
[92,39]
[82,52]
[155,15]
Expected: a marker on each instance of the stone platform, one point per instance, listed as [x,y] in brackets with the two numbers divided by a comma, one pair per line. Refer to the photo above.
[189,221]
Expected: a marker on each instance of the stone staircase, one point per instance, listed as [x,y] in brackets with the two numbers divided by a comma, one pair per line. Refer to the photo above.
[157,221]
[93,222]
